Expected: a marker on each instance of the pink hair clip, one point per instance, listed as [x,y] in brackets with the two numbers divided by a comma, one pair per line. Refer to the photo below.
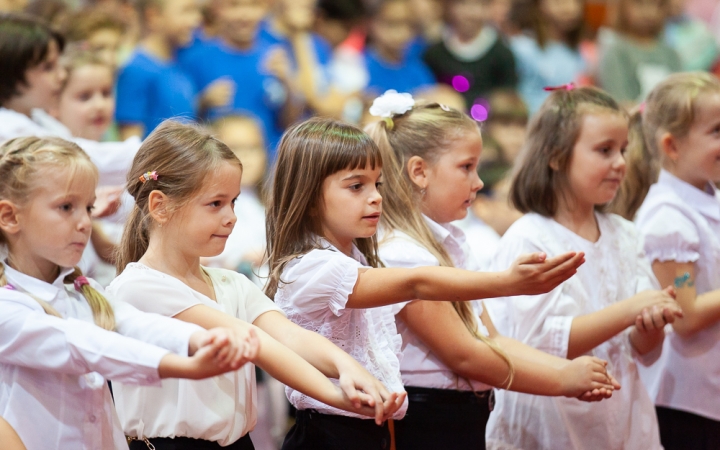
[564,87]
[641,107]
[147,176]
[80,282]
[10,287]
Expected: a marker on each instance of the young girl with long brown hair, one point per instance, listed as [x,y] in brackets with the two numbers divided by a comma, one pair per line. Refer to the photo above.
[675,160]
[570,169]
[452,355]
[60,336]
[325,272]
[185,182]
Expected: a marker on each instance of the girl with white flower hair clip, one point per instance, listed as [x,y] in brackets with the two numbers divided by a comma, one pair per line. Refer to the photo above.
[452,356]
[323,213]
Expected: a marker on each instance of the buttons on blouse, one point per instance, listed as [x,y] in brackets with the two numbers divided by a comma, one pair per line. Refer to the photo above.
[224,279]
[92,418]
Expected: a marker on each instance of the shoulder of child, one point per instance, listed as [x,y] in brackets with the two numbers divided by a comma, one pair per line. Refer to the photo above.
[10,296]
[396,247]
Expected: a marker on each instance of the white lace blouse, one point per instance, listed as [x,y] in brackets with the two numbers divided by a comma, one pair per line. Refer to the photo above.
[313,293]
[419,365]
[615,269]
[682,223]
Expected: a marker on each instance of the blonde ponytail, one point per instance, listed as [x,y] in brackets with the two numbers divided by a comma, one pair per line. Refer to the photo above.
[423,131]
[102,311]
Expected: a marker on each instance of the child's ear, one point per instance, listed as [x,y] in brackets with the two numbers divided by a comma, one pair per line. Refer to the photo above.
[417,171]
[9,222]
[159,207]
[668,146]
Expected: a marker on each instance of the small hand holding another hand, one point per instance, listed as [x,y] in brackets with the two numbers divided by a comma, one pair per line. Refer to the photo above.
[658,309]
[368,396]
[535,273]
[224,349]
[587,379]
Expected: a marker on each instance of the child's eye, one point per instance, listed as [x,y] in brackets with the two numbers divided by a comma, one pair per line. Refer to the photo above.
[90,209]
[233,201]
[85,96]
[378,184]
[66,207]
[215,204]
[623,151]
[355,187]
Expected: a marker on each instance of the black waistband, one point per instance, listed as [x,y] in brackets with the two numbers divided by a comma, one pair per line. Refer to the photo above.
[354,422]
[421,394]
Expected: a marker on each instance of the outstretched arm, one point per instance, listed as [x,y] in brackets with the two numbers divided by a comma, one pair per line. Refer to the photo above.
[441,329]
[530,274]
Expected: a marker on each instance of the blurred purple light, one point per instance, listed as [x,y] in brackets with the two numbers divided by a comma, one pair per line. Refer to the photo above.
[479,113]
[460,83]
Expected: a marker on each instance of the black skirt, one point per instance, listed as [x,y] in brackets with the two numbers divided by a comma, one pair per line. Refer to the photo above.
[185,443]
[681,430]
[315,431]
[444,419]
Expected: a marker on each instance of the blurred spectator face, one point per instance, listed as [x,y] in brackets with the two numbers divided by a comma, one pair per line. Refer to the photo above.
[498,12]
[105,43]
[177,20]
[298,15]
[563,15]
[391,28]
[87,104]
[239,19]
[510,136]
[467,17]
[644,17]
[425,11]
[244,137]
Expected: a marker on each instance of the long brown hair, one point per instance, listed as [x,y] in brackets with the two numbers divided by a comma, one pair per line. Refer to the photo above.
[669,108]
[425,131]
[20,161]
[309,153]
[552,133]
[183,156]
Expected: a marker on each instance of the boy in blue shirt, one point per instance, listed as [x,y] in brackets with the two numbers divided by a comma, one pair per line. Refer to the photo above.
[259,72]
[152,87]
[388,62]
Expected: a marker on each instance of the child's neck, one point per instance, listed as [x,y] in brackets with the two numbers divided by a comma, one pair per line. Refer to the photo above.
[168,257]
[19,105]
[159,46]
[466,36]
[38,268]
[642,39]
[237,45]
[580,219]
[689,177]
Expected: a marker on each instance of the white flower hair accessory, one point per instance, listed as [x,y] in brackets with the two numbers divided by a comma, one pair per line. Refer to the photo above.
[390,103]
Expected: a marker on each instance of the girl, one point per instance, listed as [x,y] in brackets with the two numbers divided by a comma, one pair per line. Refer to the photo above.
[52,370]
[30,83]
[571,166]
[679,132]
[550,56]
[185,183]
[323,212]
[448,366]
[86,105]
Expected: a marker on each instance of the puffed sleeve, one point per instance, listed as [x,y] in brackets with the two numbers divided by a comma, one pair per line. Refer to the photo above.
[669,236]
[255,302]
[31,338]
[320,281]
[541,321]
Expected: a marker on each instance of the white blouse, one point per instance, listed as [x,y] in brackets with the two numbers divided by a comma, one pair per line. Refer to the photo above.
[481,239]
[682,223]
[53,371]
[419,366]
[313,292]
[615,269]
[113,159]
[222,408]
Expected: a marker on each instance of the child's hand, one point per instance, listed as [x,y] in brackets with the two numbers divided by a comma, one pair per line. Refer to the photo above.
[586,377]
[233,346]
[653,309]
[655,317]
[534,273]
[218,93]
[277,63]
[107,201]
[367,395]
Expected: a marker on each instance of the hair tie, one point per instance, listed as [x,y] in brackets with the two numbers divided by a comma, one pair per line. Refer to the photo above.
[10,287]
[641,107]
[389,124]
[80,282]
[564,87]
[147,176]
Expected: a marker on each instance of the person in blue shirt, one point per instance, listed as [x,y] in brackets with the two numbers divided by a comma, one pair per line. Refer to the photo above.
[389,64]
[258,71]
[151,86]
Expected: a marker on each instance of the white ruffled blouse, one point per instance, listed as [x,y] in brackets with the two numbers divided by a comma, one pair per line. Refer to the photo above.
[682,223]
[615,269]
[313,294]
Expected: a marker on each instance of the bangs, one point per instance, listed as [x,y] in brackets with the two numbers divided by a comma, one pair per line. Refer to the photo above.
[348,148]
